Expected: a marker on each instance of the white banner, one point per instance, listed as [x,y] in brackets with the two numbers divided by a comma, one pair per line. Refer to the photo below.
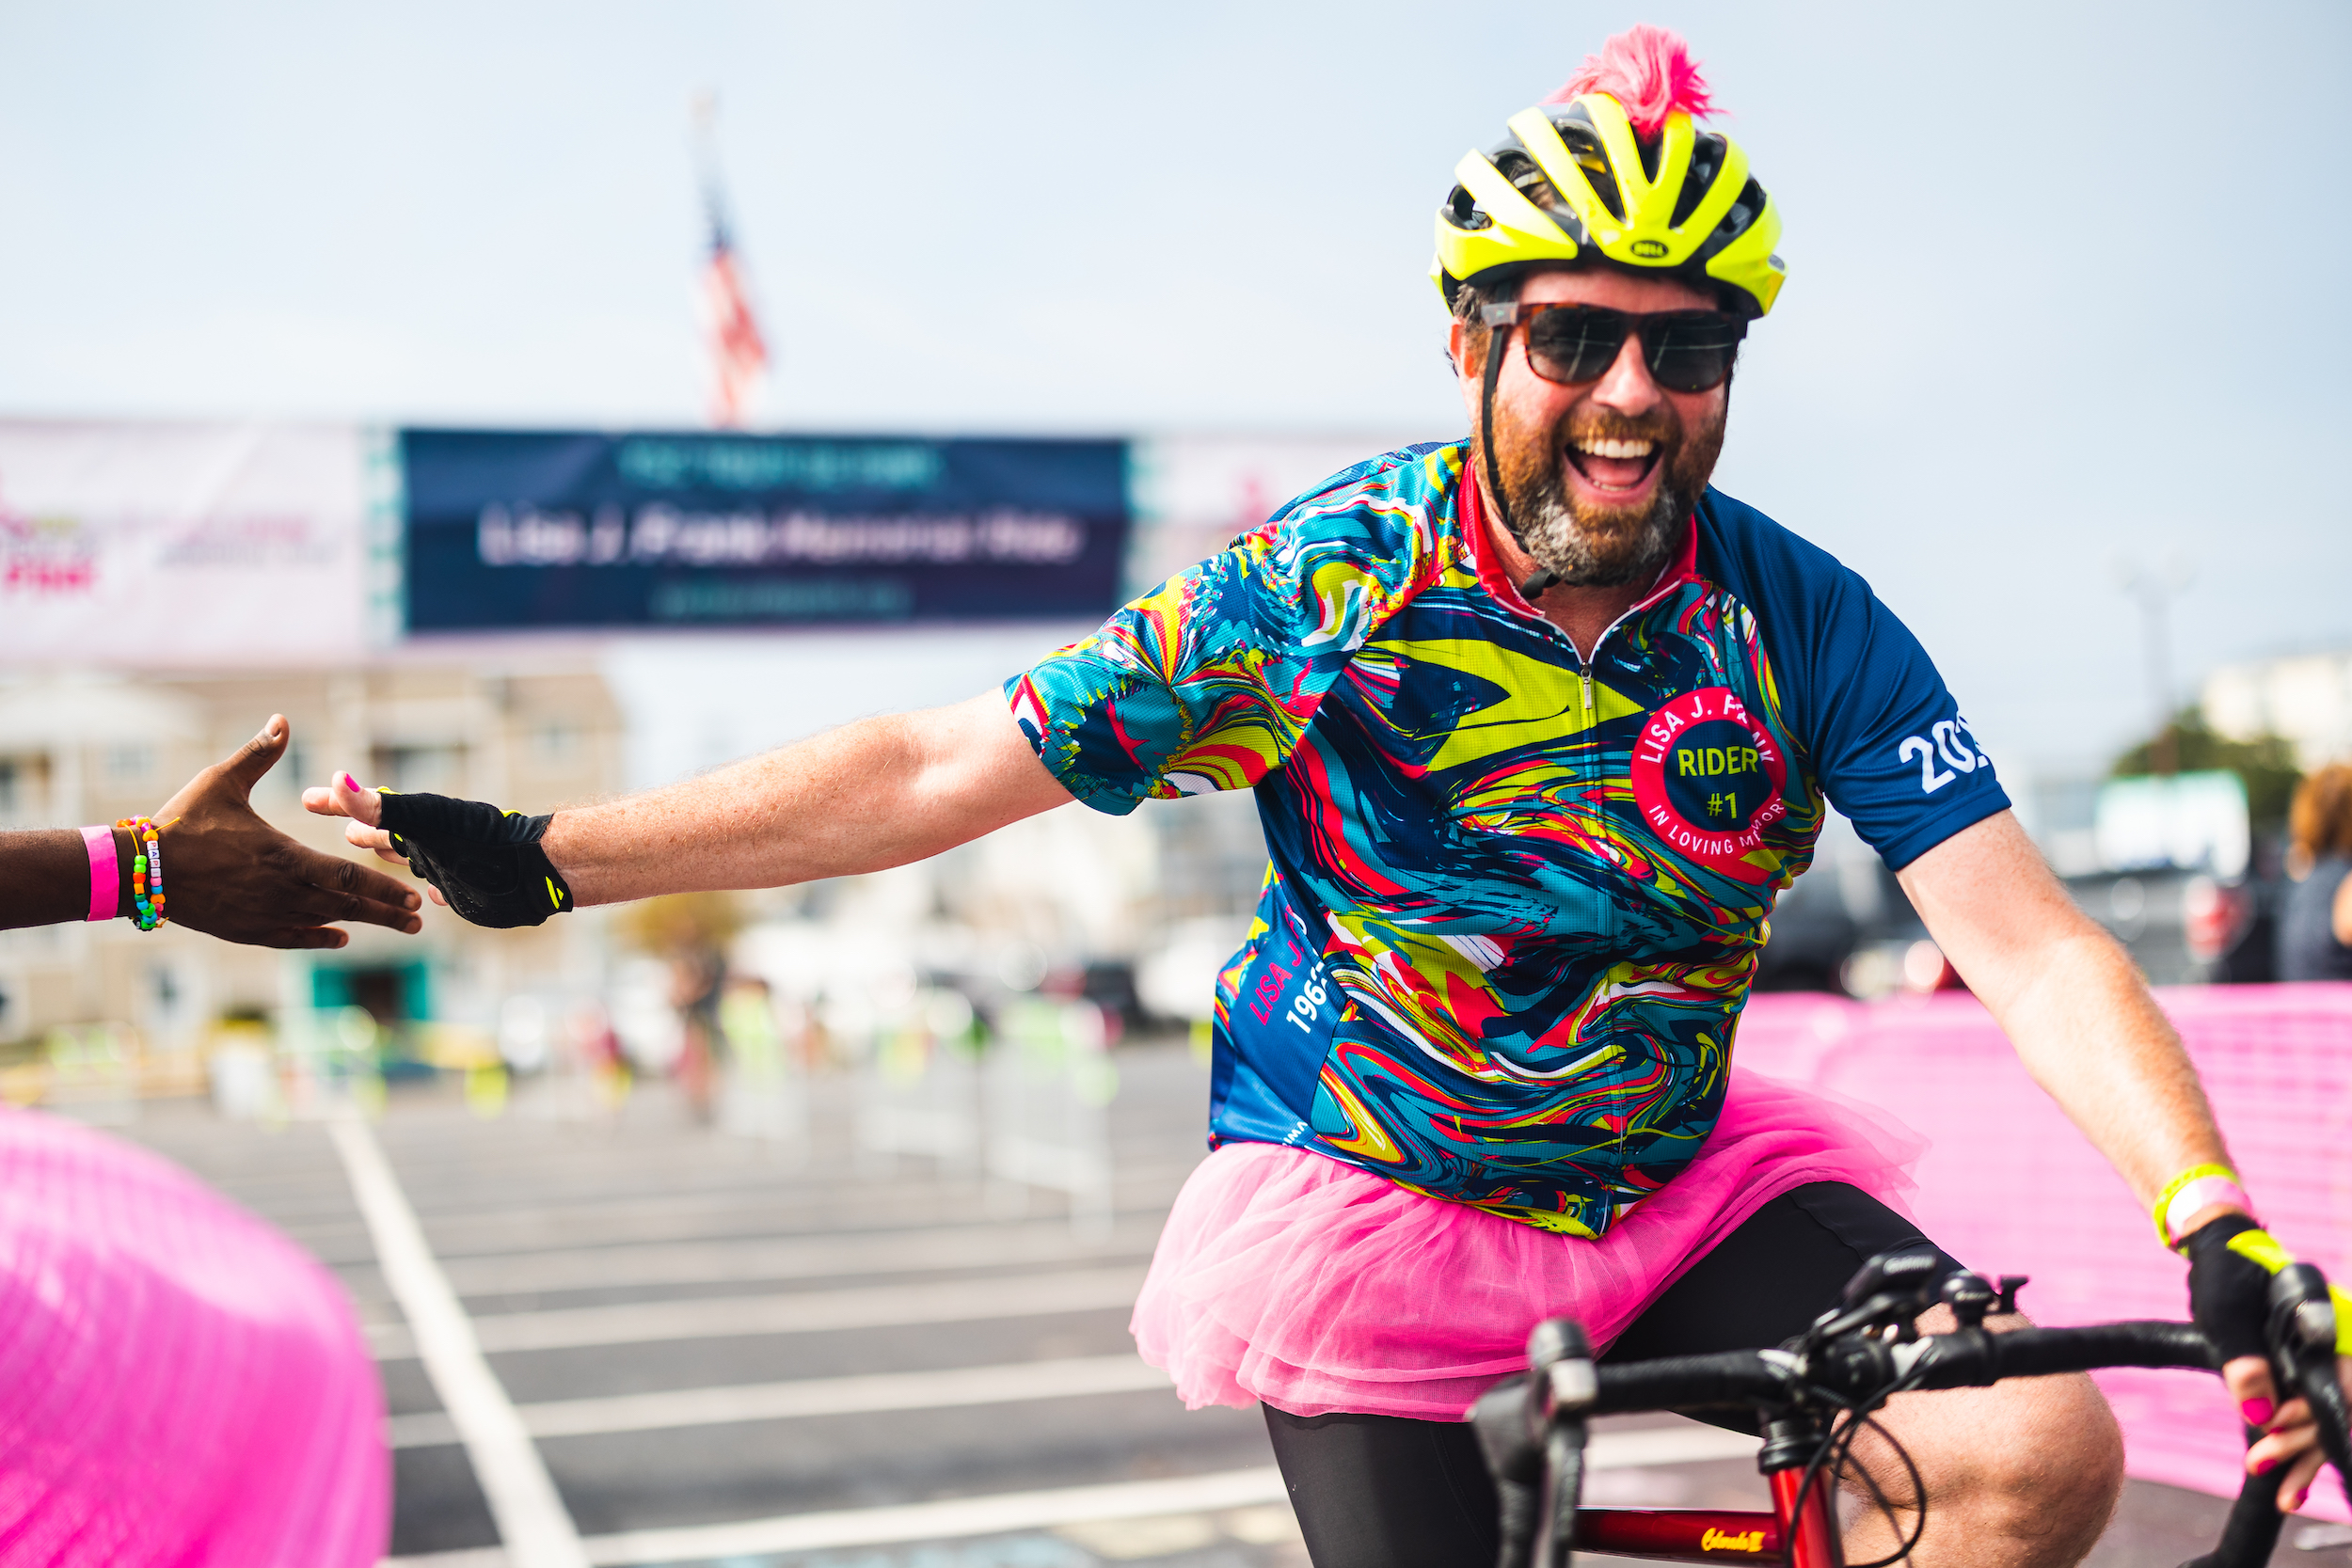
[166,546]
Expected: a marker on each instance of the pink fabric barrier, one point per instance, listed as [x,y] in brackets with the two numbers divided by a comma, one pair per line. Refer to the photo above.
[2008,1186]
[179,1385]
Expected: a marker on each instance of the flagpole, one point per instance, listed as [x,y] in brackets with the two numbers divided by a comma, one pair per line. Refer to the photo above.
[704,113]
[738,351]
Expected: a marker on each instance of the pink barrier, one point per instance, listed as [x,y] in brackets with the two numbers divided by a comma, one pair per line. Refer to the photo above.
[179,1385]
[2008,1186]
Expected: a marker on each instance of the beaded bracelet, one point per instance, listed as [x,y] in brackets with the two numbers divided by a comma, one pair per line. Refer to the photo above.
[147,871]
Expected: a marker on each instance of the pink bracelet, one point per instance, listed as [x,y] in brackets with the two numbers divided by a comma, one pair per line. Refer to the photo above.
[2199,1194]
[105,874]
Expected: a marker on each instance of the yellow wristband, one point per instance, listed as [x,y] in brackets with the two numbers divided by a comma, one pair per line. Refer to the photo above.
[2160,1211]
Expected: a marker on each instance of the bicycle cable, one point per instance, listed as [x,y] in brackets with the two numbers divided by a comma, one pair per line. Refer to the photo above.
[1840,1442]
[1854,1427]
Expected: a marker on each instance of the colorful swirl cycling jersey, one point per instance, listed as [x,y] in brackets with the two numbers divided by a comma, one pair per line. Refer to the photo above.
[1514,901]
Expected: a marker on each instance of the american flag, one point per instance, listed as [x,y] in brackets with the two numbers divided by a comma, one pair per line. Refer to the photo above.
[739,356]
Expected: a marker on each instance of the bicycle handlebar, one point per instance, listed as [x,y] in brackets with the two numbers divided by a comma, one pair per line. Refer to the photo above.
[1532,1431]
[1969,1358]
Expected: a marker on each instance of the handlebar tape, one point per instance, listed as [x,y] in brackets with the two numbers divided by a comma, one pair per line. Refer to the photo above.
[1971,1358]
[1688,1382]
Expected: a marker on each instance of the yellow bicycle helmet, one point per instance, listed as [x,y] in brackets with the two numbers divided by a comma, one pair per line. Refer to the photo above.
[1613,165]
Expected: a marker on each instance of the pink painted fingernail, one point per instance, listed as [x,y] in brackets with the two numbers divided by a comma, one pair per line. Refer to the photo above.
[350,783]
[2257,1412]
[2298,1500]
[2264,1467]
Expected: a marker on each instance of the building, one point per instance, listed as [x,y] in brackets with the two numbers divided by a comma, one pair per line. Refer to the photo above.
[2306,698]
[92,747]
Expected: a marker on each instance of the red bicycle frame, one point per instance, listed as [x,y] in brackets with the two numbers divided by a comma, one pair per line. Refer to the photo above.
[1713,1535]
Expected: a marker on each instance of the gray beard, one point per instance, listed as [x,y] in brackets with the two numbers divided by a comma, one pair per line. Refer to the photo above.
[1580,556]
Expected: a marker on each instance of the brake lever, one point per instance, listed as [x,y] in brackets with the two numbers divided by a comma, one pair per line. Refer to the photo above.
[1517,1463]
[1563,1385]
[2250,1533]
[2303,1354]
[1564,1490]
[1532,1436]
[2302,1335]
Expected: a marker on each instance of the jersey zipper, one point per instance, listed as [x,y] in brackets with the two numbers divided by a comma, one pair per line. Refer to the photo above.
[1585,664]
[1592,746]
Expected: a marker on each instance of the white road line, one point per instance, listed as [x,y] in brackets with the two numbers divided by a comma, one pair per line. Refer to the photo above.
[946,1519]
[1017,1510]
[827,1396]
[524,1504]
[461,1230]
[790,1257]
[798,1312]
[1691,1444]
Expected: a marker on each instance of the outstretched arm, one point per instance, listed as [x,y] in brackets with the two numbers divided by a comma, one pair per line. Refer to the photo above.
[880,792]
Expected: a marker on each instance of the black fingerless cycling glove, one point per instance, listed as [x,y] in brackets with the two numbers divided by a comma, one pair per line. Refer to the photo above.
[2229,1286]
[2231,1261]
[486,862]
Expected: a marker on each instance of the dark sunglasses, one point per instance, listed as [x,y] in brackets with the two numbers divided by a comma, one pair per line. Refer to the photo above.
[1687,351]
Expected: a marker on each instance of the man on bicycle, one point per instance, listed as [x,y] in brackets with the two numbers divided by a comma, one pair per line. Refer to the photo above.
[1539,724]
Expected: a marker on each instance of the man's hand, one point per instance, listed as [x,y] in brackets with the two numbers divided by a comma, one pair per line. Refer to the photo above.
[2231,1261]
[364,830]
[232,876]
[486,864]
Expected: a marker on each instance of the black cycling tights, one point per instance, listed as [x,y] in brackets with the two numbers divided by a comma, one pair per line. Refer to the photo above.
[1386,1492]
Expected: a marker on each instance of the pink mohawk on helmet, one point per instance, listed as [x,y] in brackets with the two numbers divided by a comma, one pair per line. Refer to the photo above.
[1649,71]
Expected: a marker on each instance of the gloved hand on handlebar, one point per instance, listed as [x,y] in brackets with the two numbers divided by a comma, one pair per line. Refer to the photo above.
[486,864]
[2232,1261]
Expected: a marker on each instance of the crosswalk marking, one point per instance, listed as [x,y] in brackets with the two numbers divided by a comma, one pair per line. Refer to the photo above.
[1691,1444]
[946,1518]
[829,1396]
[1003,1512]
[745,1212]
[799,1312]
[790,1257]
[530,1517]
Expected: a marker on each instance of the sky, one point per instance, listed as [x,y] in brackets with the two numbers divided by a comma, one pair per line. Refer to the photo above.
[2064,279]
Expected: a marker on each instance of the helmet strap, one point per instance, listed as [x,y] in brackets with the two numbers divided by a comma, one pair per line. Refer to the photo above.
[1498,341]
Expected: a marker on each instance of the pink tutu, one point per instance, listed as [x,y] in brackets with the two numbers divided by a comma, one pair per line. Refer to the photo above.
[179,1385]
[1288,1278]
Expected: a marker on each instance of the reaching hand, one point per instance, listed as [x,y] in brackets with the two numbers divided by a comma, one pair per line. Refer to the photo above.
[484,862]
[236,878]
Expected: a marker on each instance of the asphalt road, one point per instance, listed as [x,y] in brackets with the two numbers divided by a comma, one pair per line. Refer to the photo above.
[722,1356]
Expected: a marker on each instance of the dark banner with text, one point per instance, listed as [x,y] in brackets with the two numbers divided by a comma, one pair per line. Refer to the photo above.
[510,529]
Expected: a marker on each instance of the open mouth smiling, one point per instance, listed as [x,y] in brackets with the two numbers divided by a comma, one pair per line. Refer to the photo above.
[1614,464]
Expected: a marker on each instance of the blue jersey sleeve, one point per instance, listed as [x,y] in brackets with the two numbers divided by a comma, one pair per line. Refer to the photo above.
[1881,734]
